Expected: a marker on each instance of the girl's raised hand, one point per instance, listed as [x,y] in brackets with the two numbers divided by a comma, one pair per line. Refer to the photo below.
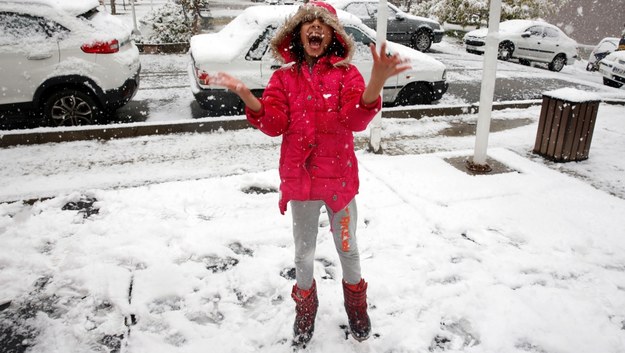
[385,66]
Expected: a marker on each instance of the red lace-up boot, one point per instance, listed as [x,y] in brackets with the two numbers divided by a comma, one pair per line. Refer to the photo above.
[306,304]
[356,308]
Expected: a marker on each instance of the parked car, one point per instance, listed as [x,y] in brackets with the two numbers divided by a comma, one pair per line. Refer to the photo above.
[529,41]
[412,31]
[241,48]
[605,47]
[65,61]
[612,67]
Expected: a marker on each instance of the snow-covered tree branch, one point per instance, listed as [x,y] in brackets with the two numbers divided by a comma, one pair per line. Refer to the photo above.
[475,12]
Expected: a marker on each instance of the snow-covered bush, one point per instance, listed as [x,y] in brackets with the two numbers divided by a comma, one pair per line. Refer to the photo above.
[475,12]
[173,22]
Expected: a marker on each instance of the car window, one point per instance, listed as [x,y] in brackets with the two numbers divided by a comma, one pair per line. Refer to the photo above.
[359,10]
[392,14]
[551,33]
[16,28]
[605,46]
[373,11]
[361,40]
[89,14]
[536,30]
[260,46]
[21,28]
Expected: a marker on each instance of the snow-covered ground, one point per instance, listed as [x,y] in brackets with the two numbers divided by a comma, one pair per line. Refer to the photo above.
[175,244]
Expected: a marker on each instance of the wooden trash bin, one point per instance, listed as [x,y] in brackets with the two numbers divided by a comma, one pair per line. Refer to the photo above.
[567,121]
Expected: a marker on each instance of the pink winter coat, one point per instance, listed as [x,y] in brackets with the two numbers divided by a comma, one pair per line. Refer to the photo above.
[315,110]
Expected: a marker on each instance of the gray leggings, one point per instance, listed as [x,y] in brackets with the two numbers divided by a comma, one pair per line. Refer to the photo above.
[343,227]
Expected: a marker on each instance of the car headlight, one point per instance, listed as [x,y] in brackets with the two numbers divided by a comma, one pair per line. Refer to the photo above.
[445,75]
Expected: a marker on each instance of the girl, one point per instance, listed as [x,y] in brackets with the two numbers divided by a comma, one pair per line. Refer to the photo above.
[316,102]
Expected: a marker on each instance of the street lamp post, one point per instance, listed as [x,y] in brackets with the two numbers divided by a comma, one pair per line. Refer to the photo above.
[135,30]
[375,133]
[487,90]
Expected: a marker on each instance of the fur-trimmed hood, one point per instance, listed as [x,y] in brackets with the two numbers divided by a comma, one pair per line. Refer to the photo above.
[282,44]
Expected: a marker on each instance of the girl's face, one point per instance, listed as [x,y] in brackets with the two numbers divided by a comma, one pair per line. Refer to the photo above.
[315,36]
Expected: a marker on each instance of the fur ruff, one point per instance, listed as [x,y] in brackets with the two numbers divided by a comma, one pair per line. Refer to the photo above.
[281,43]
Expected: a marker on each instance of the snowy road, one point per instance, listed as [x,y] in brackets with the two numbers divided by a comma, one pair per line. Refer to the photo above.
[165,95]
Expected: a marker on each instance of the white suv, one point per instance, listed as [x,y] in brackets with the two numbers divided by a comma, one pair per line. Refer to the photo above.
[64,60]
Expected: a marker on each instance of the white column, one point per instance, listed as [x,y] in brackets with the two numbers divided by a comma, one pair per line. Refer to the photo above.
[374,128]
[488,83]
[134,19]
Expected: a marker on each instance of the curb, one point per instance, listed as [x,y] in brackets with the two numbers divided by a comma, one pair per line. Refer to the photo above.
[9,139]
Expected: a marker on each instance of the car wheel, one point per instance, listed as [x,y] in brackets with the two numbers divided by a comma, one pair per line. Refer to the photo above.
[611,83]
[505,51]
[71,107]
[422,41]
[415,93]
[558,63]
[590,67]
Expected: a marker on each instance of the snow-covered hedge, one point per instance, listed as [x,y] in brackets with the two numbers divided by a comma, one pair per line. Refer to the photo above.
[173,22]
[475,12]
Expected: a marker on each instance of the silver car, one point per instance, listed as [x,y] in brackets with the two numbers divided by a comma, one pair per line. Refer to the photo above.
[528,41]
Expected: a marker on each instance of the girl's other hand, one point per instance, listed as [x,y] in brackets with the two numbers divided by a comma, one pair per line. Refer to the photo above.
[222,79]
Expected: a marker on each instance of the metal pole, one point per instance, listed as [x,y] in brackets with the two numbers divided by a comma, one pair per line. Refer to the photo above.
[375,133]
[488,88]
[134,19]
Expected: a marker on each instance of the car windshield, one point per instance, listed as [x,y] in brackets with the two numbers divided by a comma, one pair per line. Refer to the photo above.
[259,48]
[607,45]
[89,14]
[362,42]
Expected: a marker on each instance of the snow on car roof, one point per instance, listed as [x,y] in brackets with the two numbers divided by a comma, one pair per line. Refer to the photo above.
[511,26]
[516,26]
[72,7]
[617,55]
[341,4]
[244,29]
[99,26]
[238,35]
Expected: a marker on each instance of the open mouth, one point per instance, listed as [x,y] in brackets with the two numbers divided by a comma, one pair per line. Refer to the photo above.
[314,40]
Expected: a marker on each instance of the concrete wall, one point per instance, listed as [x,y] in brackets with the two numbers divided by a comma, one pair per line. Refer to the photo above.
[588,21]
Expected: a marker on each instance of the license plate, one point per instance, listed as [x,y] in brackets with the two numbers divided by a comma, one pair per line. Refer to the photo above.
[618,70]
